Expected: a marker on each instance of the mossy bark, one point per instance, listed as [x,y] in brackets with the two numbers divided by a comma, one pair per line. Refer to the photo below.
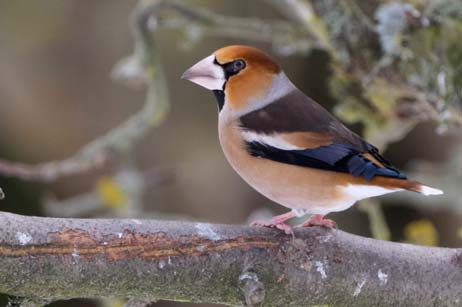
[52,258]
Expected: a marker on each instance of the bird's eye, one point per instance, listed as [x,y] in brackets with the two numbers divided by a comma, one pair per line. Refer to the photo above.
[238,65]
[234,67]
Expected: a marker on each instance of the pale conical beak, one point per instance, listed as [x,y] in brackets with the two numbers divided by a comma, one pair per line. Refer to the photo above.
[206,73]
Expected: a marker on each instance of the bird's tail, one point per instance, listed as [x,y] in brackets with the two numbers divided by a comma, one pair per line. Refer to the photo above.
[423,189]
[406,184]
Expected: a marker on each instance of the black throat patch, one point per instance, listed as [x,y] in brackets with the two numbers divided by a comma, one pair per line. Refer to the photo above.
[220,96]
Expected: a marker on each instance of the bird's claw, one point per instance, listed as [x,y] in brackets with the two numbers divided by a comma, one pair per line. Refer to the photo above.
[318,220]
[274,224]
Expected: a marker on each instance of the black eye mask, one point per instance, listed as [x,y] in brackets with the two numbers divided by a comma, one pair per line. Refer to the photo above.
[230,69]
[233,67]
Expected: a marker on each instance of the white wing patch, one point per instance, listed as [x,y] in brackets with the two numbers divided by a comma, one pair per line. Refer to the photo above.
[270,140]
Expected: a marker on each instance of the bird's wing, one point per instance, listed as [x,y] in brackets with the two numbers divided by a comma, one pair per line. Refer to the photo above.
[296,130]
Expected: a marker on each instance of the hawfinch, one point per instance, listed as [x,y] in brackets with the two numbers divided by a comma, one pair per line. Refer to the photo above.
[287,146]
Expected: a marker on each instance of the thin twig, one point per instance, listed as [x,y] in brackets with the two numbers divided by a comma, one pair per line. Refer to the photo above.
[51,171]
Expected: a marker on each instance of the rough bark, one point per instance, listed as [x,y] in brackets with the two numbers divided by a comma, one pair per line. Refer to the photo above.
[53,258]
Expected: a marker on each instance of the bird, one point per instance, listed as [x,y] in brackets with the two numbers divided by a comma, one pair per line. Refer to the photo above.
[287,146]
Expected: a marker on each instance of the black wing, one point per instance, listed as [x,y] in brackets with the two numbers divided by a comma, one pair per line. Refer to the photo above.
[297,113]
[336,157]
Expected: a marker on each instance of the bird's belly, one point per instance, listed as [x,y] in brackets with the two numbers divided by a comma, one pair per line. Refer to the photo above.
[294,187]
[315,191]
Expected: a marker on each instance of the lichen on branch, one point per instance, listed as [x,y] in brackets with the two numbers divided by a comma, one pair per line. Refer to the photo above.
[46,259]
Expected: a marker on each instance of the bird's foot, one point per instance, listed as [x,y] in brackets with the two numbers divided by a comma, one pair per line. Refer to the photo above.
[277,222]
[318,220]
[271,224]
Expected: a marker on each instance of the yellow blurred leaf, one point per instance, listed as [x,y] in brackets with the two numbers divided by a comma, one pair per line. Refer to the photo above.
[421,232]
[110,192]
[113,302]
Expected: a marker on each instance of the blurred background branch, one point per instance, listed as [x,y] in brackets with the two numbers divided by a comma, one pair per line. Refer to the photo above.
[143,66]
[50,171]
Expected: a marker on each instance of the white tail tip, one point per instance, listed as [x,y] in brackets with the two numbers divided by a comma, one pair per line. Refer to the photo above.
[425,190]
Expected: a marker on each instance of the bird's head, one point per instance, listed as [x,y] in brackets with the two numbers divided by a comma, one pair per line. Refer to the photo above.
[243,78]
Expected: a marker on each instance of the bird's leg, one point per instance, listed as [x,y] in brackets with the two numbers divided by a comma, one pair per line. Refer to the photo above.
[277,222]
[318,220]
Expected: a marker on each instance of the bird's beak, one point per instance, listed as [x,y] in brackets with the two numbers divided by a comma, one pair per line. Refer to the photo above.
[206,73]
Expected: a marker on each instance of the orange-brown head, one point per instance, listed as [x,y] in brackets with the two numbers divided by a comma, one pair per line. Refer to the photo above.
[239,75]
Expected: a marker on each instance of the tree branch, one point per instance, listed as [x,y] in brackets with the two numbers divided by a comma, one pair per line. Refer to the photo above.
[53,258]
[50,171]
